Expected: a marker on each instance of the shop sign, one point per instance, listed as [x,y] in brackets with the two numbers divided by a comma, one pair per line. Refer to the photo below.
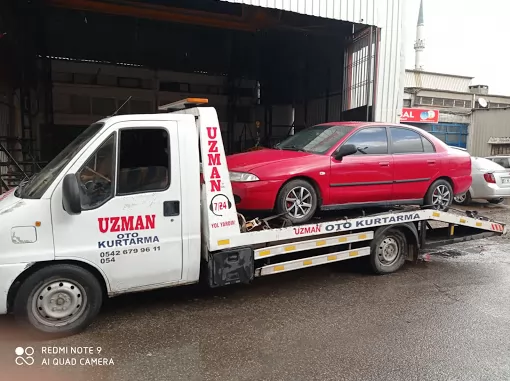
[419,115]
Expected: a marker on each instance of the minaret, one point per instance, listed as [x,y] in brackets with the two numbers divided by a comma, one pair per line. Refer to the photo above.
[419,45]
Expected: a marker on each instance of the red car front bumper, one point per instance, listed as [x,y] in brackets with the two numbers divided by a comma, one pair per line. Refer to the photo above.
[256,195]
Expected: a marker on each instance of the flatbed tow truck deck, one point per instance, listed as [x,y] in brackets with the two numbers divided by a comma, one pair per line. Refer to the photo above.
[61,256]
[278,250]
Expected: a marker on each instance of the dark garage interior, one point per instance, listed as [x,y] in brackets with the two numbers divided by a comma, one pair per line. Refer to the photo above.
[286,59]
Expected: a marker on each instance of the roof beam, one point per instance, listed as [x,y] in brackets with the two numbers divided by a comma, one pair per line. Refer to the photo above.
[250,21]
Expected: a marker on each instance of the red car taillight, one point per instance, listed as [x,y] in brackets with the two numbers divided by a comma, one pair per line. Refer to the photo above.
[489,177]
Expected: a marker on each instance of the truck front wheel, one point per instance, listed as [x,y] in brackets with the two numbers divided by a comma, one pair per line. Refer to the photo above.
[59,300]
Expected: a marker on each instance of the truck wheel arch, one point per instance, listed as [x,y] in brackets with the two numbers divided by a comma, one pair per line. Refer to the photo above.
[409,229]
[94,270]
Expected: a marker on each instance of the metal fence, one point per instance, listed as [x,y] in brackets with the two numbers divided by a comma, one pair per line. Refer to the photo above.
[359,70]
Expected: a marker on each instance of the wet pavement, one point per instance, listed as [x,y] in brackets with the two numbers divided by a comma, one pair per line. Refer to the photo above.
[447,318]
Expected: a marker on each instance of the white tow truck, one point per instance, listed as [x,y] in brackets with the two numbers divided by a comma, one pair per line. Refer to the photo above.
[140,202]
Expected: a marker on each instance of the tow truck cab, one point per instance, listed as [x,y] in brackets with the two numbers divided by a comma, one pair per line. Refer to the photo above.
[122,200]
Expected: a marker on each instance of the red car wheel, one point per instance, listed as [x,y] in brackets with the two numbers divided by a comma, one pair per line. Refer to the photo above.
[298,200]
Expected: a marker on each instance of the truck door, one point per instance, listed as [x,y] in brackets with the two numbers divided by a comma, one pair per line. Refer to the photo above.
[130,224]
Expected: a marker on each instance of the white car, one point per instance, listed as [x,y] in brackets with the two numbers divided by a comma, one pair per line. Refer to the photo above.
[491,182]
[504,161]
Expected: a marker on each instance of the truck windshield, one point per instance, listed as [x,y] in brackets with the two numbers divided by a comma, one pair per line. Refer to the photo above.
[317,139]
[40,182]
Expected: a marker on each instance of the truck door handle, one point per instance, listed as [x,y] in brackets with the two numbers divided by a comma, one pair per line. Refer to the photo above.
[384,163]
[171,208]
[431,161]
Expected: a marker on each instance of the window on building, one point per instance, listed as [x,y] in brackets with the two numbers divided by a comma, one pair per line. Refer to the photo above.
[407,103]
[437,101]
[448,102]
[144,160]
[426,101]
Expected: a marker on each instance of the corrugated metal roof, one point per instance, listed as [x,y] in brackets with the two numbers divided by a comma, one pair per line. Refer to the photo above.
[436,81]
[358,11]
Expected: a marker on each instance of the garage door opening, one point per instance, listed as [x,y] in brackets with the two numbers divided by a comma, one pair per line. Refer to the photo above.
[268,72]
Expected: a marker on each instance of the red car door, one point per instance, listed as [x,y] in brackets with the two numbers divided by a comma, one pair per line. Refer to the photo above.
[415,162]
[367,176]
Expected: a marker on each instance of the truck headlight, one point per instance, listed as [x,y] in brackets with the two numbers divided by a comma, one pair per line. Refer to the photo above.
[241,177]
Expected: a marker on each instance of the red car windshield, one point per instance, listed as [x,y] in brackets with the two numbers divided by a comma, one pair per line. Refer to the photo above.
[317,139]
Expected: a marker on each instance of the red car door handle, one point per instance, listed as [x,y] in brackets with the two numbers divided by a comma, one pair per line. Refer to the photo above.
[431,161]
[384,163]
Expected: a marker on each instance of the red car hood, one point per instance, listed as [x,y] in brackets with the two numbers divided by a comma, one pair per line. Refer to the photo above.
[248,161]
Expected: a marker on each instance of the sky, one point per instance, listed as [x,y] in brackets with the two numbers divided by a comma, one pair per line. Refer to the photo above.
[464,37]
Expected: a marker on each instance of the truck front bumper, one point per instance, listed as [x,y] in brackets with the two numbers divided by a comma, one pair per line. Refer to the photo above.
[8,274]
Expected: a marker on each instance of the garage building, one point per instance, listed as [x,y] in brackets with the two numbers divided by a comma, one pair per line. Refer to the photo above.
[269,67]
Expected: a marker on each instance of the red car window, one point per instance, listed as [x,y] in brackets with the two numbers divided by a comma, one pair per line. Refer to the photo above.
[317,139]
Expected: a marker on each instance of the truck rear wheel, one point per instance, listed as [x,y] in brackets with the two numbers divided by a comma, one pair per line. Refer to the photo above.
[59,300]
[388,251]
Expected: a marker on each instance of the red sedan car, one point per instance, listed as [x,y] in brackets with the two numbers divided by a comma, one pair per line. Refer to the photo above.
[349,165]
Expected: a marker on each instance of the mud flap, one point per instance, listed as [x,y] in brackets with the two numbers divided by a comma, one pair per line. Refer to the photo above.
[230,267]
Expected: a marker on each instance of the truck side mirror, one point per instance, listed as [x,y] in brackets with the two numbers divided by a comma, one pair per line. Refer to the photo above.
[71,194]
[345,150]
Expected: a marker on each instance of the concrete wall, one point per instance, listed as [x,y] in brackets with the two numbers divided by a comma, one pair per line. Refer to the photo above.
[487,124]
[447,117]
